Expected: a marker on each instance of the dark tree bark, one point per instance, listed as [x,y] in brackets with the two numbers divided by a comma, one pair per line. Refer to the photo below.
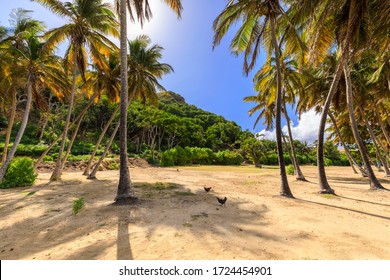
[285,188]
[351,159]
[374,183]
[125,191]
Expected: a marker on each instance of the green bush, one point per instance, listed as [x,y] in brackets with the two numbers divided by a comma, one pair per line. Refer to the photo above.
[227,157]
[167,159]
[77,205]
[290,169]
[20,173]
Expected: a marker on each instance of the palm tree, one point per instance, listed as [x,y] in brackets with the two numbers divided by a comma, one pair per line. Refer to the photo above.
[258,22]
[40,69]
[144,70]
[342,22]
[105,81]
[140,10]
[11,38]
[88,23]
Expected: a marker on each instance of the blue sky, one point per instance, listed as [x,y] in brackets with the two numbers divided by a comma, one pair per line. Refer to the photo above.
[210,79]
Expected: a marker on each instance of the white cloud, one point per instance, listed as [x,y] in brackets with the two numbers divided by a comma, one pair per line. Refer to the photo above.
[305,130]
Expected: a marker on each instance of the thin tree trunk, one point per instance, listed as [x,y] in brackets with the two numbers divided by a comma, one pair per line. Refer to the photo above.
[384,130]
[374,183]
[375,142]
[45,122]
[298,172]
[351,159]
[288,150]
[38,162]
[125,192]
[323,181]
[89,163]
[56,175]
[96,167]
[18,137]
[10,124]
[76,130]
[285,188]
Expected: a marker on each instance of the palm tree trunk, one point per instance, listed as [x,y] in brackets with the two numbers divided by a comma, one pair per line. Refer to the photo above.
[298,172]
[375,142]
[89,163]
[125,190]
[374,183]
[10,124]
[324,185]
[285,188]
[76,130]
[96,167]
[76,120]
[18,137]
[384,130]
[351,159]
[56,175]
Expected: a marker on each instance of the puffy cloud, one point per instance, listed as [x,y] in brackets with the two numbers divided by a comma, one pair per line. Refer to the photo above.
[305,130]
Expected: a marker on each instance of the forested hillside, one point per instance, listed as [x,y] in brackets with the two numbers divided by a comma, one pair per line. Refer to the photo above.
[170,132]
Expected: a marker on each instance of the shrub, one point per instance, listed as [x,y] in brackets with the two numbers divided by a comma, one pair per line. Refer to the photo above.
[290,169]
[78,204]
[227,157]
[167,159]
[20,173]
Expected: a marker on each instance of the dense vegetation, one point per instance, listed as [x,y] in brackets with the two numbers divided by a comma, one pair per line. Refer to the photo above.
[170,133]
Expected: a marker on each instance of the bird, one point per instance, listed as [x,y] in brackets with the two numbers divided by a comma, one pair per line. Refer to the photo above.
[222,201]
[207,189]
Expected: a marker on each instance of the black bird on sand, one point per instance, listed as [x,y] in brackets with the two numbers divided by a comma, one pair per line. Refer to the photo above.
[207,189]
[222,201]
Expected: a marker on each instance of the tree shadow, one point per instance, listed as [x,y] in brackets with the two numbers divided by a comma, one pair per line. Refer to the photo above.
[90,232]
[344,208]
[365,201]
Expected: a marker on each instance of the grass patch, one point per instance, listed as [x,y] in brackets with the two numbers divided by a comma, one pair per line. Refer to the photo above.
[159,186]
[30,193]
[187,193]
[187,224]
[77,205]
[197,216]
[329,196]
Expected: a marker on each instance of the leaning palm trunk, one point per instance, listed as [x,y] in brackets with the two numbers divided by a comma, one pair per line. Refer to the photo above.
[375,142]
[324,185]
[76,130]
[18,137]
[384,130]
[374,183]
[96,167]
[89,163]
[285,189]
[125,192]
[56,175]
[10,124]
[52,144]
[351,159]
[297,169]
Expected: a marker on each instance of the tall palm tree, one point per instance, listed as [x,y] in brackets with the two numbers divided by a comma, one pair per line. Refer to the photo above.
[40,69]
[12,38]
[258,22]
[341,22]
[88,23]
[144,70]
[138,10]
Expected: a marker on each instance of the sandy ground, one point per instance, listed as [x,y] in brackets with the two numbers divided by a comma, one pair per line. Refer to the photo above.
[179,220]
